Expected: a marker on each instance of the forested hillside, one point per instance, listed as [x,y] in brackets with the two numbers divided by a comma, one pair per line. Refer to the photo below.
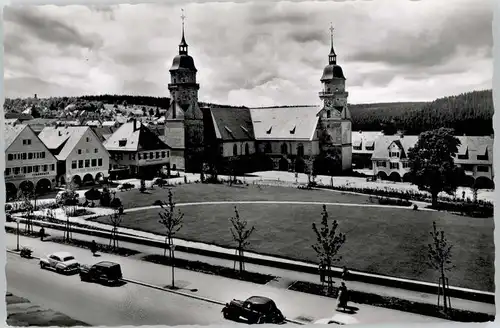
[468,113]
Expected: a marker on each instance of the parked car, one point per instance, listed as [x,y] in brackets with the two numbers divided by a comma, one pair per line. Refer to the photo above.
[104,272]
[338,319]
[61,262]
[256,309]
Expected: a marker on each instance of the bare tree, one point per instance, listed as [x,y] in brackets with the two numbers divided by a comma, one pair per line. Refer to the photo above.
[240,235]
[328,245]
[67,201]
[439,258]
[172,223]
[116,220]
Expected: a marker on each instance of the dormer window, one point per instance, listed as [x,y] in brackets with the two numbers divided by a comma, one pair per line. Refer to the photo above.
[122,143]
[269,130]
[328,114]
[292,131]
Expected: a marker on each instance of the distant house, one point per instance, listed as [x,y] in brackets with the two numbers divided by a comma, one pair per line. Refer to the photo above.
[136,151]
[29,165]
[38,124]
[363,146]
[475,156]
[92,123]
[20,116]
[11,121]
[82,158]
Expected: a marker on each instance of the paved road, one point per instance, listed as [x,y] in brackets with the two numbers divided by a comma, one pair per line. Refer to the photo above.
[99,305]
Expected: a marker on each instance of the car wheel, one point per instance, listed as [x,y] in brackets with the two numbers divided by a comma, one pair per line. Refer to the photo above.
[42,266]
[260,320]
[58,270]
[225,314]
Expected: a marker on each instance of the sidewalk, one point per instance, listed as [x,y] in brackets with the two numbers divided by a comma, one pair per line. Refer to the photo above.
[295,305]
[287,277]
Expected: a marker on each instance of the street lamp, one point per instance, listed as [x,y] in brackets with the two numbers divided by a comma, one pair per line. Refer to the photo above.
[17,221]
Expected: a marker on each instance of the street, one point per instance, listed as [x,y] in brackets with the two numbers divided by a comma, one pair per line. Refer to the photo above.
[147,304]
[100,305]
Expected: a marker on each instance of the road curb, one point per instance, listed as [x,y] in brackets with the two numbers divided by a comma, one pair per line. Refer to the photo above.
[200,298]
[17,252]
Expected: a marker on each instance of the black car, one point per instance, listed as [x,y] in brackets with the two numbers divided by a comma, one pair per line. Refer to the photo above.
[105,272]
[256,309]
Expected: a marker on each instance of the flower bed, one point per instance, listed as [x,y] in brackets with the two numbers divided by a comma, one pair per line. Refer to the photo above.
[197,266]
[394,303]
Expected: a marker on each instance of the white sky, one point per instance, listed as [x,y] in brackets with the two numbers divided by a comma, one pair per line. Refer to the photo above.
[253,54]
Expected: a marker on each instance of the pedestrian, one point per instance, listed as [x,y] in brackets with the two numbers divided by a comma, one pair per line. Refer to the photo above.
[463,195]
[345,273]
[342,297]
[42,233]
[93,247]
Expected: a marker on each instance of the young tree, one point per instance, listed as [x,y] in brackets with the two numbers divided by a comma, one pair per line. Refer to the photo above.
[432,167]
[26,197]
[439,256]
[172,222]
[115,219]
[68,200]
[240,235]
[328,245]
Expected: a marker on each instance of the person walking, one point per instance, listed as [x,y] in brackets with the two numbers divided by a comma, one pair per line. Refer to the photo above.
[342,297]
[345,273]
[93,247]
[42,233]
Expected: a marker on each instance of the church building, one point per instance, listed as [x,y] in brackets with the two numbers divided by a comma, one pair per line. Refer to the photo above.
[298,139]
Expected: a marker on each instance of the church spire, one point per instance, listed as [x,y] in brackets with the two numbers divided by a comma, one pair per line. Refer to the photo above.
[332,57]
[183,47]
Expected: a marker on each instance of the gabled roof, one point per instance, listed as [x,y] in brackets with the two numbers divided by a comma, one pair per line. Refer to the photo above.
[364,139]
[284,123]
[103,132]
[20,116]
[43,121]
[475,145]
[382,144]
[11,133]
[232,123]
[134,136]
[62,140]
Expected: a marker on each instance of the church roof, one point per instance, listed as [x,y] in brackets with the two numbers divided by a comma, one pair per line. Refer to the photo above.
[232,123]
[332,71]
[183,62]
[284,123]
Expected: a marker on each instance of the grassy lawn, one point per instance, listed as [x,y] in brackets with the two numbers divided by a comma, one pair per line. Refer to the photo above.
[379,240]
[208,192]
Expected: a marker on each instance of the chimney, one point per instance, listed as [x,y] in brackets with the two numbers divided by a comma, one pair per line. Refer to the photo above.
[135,124]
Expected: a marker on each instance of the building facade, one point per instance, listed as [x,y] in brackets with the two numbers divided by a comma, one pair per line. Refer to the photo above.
[135,150]
[184,129]
[475,156]
[81,157]
[29,164]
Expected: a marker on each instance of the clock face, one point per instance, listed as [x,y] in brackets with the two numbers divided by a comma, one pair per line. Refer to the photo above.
[328,103]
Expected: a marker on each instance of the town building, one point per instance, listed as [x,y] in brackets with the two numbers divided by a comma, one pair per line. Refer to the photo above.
[136,151]
[363,146]
[475,156]
[296,138]
[29,164]
[11,121]
[38,124]
[81,157]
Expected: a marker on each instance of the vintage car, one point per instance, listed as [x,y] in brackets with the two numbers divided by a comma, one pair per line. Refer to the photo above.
[256,309]
[338,319]
[104,272]
[61,262]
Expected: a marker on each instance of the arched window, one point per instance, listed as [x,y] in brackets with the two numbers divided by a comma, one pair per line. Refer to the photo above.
[267,148]
[300,150]
[235,150]
[284,149]
[247,149]
[328,114]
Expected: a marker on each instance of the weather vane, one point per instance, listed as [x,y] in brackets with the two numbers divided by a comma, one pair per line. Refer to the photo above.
[331,29]
[182,17]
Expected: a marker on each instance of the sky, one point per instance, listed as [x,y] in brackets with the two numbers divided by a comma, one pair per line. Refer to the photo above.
[252,54]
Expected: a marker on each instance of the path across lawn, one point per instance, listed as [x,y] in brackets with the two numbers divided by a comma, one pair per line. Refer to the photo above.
[384,240]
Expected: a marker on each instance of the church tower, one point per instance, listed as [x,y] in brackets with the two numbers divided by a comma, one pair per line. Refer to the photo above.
[184,119]
[334,127]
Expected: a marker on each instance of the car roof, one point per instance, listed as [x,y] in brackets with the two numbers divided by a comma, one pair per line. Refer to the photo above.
[259,300]
[107,263]
[62,254]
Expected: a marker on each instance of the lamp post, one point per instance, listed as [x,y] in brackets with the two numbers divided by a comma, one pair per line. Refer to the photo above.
[17,221]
